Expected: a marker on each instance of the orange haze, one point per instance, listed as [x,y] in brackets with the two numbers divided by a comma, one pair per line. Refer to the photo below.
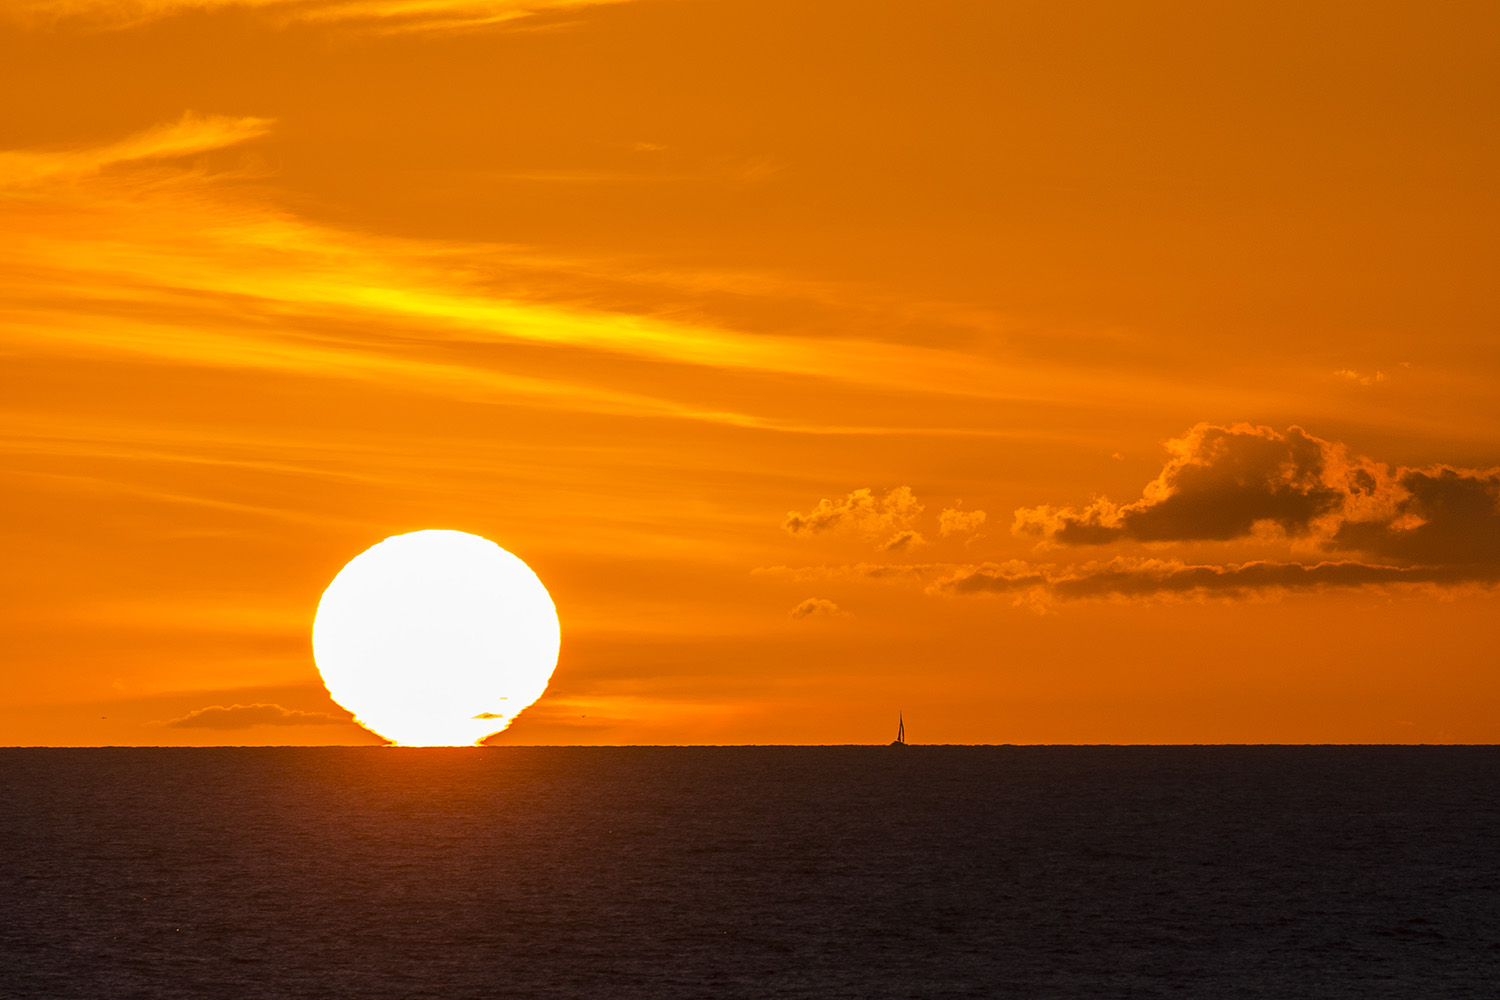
[1047,372]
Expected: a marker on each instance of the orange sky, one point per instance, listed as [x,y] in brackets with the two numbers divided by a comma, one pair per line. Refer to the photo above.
[730,318]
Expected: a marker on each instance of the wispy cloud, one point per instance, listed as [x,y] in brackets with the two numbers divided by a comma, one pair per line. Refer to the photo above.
[190,134]
[370,15]
[123,248]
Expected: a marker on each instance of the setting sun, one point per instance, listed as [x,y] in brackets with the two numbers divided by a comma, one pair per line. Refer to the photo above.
[436,638]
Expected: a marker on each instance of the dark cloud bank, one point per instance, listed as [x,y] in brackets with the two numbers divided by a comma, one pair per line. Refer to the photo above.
[1371,523]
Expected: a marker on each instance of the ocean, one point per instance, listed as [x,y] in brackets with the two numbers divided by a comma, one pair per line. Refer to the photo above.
[705,872]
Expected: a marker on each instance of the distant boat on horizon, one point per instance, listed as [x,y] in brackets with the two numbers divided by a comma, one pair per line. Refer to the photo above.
[900,740]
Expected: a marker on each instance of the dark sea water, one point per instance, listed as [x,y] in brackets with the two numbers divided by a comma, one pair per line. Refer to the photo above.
[818,872]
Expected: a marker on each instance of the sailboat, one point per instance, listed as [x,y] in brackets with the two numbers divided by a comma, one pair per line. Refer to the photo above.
[900,740]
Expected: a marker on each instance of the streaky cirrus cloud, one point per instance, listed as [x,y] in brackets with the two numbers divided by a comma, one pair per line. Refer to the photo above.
[382,16]
[191,133]
[118,248]
[245,716]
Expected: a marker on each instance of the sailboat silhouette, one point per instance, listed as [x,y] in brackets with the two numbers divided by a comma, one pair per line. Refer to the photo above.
[900,740]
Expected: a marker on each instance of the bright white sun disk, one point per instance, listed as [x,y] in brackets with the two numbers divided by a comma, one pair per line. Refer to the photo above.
[436,638]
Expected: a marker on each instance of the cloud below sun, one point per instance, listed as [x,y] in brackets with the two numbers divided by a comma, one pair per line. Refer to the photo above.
[246,716]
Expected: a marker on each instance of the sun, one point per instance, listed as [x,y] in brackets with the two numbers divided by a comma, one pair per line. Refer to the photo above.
[436,638]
